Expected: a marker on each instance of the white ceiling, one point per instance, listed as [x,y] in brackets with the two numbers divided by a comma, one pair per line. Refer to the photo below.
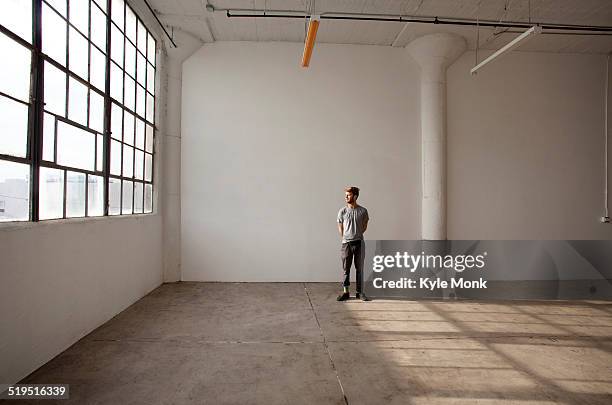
[191,16]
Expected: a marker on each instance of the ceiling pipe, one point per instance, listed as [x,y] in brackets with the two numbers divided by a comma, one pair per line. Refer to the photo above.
[245,13]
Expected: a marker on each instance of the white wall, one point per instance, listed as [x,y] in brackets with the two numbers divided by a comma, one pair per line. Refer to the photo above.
[267,148]
[59,280]
[525,148]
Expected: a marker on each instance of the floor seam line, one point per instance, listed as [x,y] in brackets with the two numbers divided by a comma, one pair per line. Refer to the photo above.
[208,341]
[331,359]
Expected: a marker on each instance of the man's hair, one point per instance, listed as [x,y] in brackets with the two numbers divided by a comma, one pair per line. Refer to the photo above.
[353,190]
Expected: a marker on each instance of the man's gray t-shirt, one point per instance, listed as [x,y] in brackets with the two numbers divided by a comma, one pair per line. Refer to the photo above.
[354,221]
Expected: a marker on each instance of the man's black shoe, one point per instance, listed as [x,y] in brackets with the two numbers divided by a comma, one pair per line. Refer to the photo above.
[343,297]
[363,297]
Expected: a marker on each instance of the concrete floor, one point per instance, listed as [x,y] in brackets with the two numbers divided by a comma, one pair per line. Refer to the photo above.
[292,343]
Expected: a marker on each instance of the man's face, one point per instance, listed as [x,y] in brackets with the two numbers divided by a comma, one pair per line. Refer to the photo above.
[349,197]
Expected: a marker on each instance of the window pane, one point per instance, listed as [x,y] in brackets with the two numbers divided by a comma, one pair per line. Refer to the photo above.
[130,59]
[150,108]
[75,194]
[53,35]
[129,93]
[51,203]
[148,198]
[17,16]
[59,5]
[128,128]
[140,133]
[75,147]
[78,57]
[138,197]
[96,111]
[117,12]
[114,196]
[140,101]
[97,73]
[149,143]
[151,50]
[142,38]
[15,77]
[55,90]
[100,153]
[13,127]
[14,191]
[116,121]
[79,14]
[116,79]
[148,166]
[77,101]
[150,79]
[95,196]
[49,138]
[115,158]
[130,24]
[128,161]
[128,190]
[117,39]
[141,69]
[138,164]
[98,27]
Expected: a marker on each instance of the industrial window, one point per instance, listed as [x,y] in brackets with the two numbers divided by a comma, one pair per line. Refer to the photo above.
[77,110]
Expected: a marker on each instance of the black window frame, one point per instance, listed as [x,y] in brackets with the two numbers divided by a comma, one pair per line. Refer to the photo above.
[37,112]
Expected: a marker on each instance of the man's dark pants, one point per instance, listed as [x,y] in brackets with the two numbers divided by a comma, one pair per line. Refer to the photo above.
[353,251]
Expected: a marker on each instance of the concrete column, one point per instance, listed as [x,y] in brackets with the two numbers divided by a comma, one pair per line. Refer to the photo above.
[434,53]
[171,152]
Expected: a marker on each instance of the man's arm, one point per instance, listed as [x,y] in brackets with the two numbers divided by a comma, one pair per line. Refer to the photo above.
[365,226]
[340,222]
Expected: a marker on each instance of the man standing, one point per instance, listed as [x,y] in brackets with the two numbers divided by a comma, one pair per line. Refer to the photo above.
[352,223]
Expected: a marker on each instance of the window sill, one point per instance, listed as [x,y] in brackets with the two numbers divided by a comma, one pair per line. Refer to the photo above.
[16,225]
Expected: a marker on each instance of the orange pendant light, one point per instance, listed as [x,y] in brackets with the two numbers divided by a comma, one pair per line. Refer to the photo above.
[313,26]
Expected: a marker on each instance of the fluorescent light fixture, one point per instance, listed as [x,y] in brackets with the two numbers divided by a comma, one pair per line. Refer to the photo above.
[313,26]
[536,29]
